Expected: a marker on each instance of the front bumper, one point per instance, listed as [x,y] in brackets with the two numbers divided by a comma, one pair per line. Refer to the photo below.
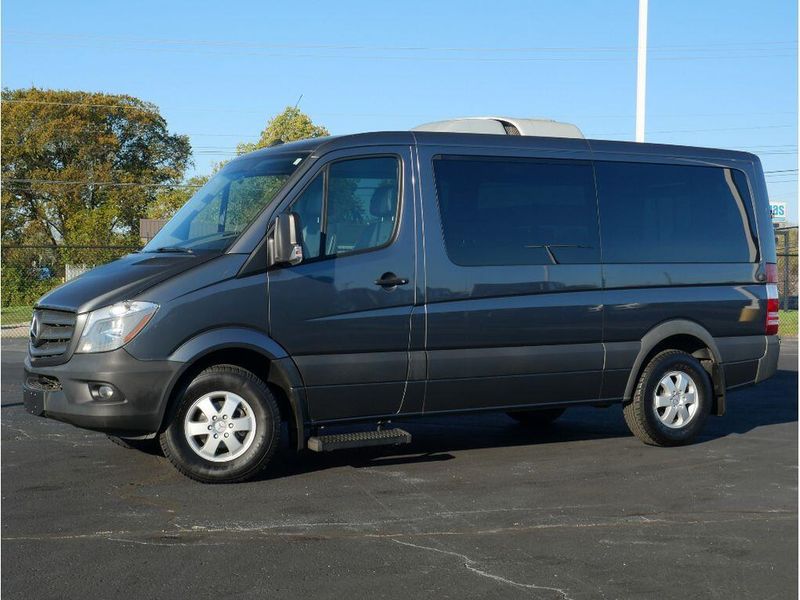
[64,392]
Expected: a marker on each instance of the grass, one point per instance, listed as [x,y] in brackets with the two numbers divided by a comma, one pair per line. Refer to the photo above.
[14,315]
[788,322]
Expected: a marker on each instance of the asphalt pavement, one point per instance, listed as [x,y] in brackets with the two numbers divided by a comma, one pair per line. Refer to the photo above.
[475,507]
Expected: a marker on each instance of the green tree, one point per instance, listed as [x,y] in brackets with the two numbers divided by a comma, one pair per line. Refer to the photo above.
[83,168]
[290,125]
[169,200]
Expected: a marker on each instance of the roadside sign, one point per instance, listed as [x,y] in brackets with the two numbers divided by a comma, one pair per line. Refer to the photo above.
[778,211]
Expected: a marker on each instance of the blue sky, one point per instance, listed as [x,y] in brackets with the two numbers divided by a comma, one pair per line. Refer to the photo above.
[721,73]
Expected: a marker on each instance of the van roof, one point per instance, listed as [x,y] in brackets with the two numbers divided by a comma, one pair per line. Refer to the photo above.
[323,145]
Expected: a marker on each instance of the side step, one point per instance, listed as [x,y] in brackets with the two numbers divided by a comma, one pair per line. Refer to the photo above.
[359,439]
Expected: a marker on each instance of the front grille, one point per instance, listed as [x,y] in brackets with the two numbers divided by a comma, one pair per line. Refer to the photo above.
[51,332]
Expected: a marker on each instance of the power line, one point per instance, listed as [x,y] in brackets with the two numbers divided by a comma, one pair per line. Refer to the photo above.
[448,59]
[228,109]
[245,136]
[588,57]
[100,183]
[704,130]
[86,104]
[82,37]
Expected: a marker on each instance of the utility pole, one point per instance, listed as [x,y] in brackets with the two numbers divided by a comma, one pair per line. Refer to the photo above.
[641,71]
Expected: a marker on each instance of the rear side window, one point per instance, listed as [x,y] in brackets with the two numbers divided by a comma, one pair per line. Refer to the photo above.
[509,211]
[652,213]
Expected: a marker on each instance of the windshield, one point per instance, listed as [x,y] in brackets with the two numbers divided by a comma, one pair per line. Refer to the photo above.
[221,209]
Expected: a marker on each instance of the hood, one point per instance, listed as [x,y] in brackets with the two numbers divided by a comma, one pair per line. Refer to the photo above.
[122,279]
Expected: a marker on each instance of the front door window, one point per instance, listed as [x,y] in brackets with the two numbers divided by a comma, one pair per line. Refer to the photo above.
[351,206]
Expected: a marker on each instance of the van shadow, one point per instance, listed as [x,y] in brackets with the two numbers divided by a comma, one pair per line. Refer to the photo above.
[437,438]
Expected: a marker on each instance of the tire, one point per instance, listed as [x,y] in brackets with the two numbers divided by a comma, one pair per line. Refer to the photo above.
[150,446]
[656,415]
[537,418]
[239,410]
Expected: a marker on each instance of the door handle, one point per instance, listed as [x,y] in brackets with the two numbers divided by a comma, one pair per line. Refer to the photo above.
[390,280]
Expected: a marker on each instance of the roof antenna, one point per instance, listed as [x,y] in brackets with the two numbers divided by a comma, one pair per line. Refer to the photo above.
[296,104]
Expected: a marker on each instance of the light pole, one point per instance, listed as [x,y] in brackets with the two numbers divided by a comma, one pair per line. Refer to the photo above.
[641,71]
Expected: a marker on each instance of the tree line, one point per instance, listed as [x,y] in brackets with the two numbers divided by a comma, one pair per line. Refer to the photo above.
[82,168]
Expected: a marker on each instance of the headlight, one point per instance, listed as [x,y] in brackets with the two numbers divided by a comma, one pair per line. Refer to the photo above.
[114,326]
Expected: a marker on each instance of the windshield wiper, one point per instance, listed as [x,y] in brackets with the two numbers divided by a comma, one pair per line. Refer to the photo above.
[218,235]
[175,249]
[195,242]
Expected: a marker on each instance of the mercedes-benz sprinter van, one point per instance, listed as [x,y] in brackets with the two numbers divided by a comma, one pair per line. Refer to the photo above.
[343,281]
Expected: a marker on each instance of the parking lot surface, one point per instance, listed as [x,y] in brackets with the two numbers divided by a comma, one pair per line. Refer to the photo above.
[475,507]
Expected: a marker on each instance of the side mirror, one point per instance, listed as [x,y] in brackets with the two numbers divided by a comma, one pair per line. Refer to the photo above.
[284,241]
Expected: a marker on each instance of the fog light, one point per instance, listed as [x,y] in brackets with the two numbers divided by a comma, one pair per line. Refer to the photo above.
[105,392]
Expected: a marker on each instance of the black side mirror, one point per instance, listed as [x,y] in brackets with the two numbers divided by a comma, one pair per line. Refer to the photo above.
[283,243]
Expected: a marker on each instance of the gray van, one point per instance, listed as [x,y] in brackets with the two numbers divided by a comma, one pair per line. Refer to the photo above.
[339,284]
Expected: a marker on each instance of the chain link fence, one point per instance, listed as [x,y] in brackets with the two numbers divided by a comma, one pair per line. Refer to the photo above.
[786,245]
[28,272]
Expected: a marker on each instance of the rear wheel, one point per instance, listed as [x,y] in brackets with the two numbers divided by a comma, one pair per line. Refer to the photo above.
[226,428]
[672,400]
[537,418]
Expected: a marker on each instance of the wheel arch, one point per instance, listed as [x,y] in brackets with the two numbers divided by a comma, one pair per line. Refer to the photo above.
[251,350]
[691,337]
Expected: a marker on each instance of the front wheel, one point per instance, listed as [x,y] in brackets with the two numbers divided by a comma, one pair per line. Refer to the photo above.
[226,427]
[672,400]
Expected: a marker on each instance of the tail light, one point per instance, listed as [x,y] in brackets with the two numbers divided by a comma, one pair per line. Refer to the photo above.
[773,304]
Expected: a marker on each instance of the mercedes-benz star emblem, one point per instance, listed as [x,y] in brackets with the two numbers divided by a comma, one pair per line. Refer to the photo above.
[34,331]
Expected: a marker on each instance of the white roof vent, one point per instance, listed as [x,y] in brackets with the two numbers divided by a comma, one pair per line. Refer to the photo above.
[504,126]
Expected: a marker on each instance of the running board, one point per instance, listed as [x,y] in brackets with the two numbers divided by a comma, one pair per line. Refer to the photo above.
[360,439]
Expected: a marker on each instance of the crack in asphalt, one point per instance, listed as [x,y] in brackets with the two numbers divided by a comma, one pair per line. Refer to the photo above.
[344,530]
[167,544]
[470,564]
[18,430]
